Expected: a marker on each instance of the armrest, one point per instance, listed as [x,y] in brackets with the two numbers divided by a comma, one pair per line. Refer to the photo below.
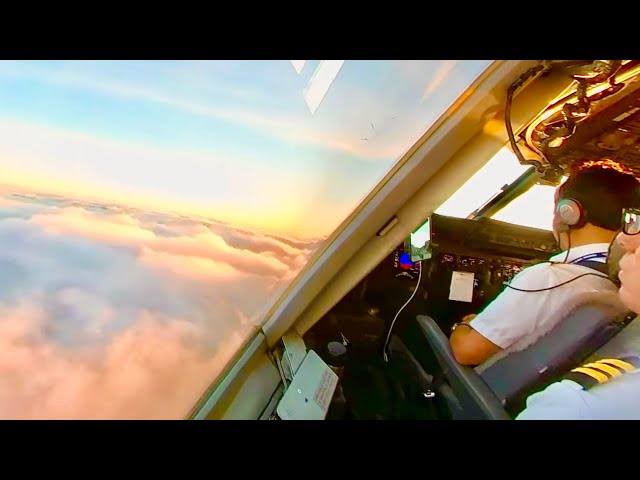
[475,396]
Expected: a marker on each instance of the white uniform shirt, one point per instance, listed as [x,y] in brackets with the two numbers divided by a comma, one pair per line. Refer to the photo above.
[617,399]
[515,320]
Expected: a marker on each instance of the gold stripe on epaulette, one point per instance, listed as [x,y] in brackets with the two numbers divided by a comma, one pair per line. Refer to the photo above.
[618,363]
[614,372]
[595,374]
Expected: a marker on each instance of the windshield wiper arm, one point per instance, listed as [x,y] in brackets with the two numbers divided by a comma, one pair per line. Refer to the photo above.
[506,195]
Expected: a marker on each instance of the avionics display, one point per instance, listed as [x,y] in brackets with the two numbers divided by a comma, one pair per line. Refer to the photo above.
[419,243]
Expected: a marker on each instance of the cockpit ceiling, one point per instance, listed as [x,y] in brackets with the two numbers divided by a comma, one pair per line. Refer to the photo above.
[598,121]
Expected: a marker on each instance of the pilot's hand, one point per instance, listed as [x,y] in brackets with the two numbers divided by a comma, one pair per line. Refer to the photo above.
[469,317]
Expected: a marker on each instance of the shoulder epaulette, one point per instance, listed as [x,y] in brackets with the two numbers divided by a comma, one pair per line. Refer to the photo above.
[601,371]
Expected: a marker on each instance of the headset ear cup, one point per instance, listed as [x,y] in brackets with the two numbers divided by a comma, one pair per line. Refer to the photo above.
[570,213]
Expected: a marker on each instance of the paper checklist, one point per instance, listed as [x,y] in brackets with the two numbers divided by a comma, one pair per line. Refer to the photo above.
[461,286]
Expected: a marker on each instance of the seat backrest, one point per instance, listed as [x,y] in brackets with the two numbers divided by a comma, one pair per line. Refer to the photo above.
[473,395]
[517,375]
[501,390]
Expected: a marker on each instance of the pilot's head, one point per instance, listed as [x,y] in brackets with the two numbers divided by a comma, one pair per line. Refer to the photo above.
[629,274]
[590,202]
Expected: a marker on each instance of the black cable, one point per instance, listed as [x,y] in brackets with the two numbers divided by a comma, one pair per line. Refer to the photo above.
[561,284]
[507,121]
[507,114]
[564,262]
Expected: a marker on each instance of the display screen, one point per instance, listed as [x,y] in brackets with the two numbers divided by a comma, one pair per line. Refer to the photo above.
[420,243]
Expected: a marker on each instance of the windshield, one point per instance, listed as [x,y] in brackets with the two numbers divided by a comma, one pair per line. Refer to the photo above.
[502,170]
[152,211]
[534,208]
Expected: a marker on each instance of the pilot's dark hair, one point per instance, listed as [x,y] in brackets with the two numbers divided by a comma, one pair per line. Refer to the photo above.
[603,193]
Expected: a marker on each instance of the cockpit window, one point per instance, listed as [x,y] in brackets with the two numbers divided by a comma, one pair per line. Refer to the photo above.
[152,212]
[502,170]
[534,208]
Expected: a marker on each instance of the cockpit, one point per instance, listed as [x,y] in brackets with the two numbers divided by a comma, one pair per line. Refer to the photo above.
[387,337]
[287,239]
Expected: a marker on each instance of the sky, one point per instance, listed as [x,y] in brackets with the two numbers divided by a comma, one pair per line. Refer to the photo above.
[232,140]
[152,212]
[107,312]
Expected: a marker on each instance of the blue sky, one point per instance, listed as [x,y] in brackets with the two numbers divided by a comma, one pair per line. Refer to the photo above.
[233,140]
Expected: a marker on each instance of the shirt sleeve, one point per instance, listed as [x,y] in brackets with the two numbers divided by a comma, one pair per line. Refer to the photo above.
[514,314]
[559,401]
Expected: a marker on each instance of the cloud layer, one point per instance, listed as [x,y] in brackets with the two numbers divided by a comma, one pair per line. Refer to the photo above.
[108,312]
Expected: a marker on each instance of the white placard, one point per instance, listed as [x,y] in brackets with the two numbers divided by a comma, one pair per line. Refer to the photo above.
[461,286]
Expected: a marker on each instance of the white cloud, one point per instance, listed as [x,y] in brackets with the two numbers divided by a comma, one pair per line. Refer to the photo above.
[102,318]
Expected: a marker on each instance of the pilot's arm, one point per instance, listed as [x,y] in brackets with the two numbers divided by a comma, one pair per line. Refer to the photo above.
[468,346]
[512,316]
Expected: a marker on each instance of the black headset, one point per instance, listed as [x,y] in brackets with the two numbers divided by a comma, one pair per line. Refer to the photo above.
[572,215]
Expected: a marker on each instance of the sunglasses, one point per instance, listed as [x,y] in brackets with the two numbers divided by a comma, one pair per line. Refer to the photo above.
[631,221]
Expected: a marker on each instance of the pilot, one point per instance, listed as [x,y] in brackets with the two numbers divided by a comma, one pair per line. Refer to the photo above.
[586,218]
[608,389]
